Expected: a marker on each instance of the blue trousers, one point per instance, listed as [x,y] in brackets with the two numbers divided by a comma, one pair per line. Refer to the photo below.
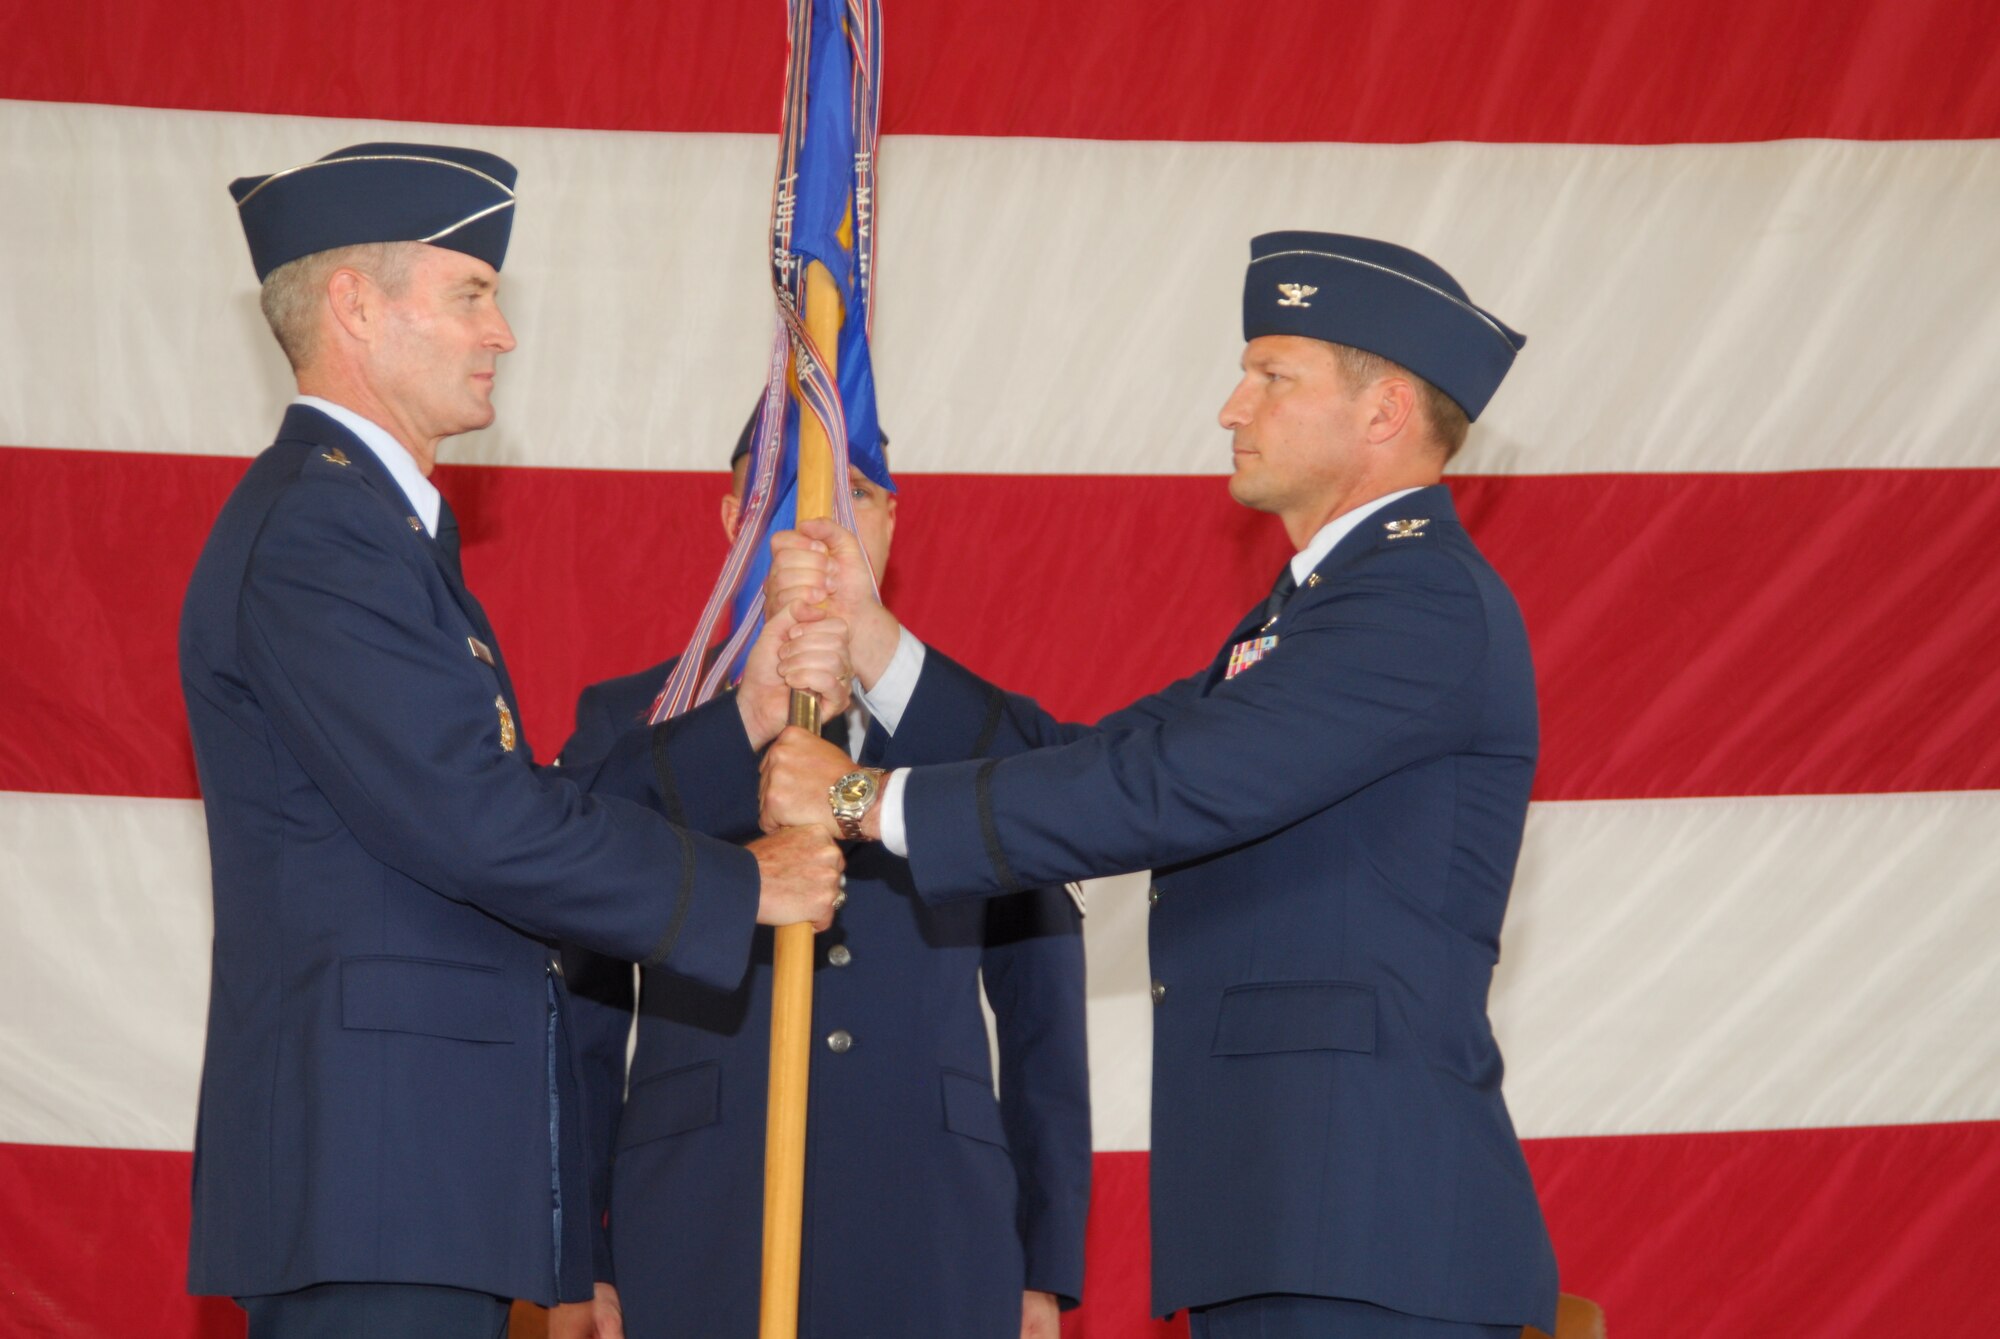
[1280,1316]
[377,1311]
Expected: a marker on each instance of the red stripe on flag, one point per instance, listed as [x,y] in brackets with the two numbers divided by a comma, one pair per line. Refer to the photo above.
[1792,1232]
[95,1244]
[1694,634]
[1387,71]
[1843,1231]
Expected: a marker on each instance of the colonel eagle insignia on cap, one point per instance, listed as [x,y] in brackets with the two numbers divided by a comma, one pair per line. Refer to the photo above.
[1383,299]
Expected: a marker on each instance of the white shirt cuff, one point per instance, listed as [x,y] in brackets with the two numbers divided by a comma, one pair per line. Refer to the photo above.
[898,684]
[895,838]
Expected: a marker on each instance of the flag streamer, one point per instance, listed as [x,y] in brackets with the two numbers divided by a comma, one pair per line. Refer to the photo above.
[823,208]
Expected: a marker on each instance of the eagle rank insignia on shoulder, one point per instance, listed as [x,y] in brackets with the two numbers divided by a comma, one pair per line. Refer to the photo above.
[1296,294]
[1406,529]
[334,454]
[506,725]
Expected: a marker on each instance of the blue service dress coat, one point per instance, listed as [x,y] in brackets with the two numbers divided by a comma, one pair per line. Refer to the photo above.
[387,1093]
[929,1207]
[1334,831]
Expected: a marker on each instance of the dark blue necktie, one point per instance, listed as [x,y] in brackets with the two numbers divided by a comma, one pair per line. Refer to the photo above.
[1280,592]
[447,539]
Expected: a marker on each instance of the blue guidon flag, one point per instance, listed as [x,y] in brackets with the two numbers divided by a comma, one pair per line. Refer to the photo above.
[822,209]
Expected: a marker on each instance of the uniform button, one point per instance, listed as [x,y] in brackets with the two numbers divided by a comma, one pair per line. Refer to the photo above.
[840,1042]
[1153,895]
[555,966]
[1159,991]
[839,955]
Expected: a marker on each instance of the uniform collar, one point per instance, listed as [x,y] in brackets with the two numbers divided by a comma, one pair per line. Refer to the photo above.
[420,492]
[1337,529]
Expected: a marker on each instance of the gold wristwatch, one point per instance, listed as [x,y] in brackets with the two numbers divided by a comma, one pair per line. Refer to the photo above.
[852,797]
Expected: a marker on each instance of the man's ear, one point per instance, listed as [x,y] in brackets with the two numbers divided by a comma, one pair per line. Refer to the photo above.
[732,515]
[351,298]
[1392,401]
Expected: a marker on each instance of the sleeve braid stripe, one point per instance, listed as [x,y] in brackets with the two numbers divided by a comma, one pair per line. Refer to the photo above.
[990,726]
[673,931]
[983,795]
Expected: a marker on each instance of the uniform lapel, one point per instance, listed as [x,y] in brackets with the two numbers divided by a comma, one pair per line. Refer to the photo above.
[444,553]
[1430,507]
[305,424]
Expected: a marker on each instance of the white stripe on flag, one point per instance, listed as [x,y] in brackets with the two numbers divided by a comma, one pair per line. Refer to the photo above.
[1054,306]
[1668,965]
[105,927]
[1723,964]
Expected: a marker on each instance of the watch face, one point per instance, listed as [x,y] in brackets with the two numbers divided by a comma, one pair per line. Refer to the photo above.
[855,788]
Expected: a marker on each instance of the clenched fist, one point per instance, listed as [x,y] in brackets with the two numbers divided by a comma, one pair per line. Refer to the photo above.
[820,571]
[800,875]
[798,770]
[809,655]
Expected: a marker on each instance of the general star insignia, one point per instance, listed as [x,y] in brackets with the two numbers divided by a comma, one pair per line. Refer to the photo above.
[334,454]
[1296,295]
[1406,529]
[506,725]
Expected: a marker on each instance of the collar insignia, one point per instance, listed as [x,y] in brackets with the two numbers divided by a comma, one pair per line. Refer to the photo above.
[1406,529]
[1296,295]
[334,454]
[481,652]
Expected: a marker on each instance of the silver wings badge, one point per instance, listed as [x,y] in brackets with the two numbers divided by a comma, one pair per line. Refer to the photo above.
[1296,295]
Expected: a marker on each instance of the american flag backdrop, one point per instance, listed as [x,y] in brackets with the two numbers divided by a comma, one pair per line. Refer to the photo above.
[1745,481]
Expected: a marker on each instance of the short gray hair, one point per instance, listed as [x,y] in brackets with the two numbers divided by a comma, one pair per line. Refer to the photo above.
[292,293]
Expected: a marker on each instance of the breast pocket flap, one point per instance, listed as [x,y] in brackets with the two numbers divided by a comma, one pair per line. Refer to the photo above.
[1295,1016]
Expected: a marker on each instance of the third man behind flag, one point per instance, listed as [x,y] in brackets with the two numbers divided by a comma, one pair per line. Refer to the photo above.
[931,1210]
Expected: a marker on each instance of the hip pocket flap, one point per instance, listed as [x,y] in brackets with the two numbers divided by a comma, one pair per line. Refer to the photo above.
[1295,1016]
[462,1001]
[970,1108]
[671,1103]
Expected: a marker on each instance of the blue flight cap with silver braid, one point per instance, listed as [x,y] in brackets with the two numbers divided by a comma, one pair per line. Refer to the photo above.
[457,198]
[1384,298]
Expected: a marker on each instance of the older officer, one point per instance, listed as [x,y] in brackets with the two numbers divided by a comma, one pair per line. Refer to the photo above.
[391,1140]
[1333,809]
[929,1211]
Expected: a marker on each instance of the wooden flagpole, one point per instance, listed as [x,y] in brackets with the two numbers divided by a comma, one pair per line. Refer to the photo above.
[791,968]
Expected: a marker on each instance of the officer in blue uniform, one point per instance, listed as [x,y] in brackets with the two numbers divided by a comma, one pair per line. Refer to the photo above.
[1332,808]
[930,1210]
[391,1133]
